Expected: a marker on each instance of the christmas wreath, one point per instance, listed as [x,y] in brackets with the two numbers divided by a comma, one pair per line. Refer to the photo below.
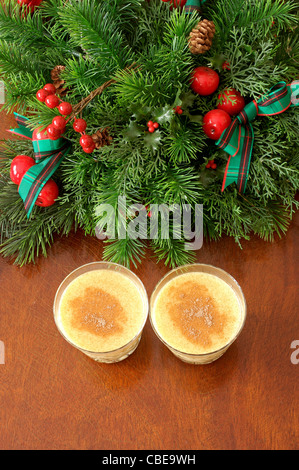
[181,102]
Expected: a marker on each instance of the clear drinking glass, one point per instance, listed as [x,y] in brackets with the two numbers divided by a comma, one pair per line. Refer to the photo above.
[212,356]
[124,351]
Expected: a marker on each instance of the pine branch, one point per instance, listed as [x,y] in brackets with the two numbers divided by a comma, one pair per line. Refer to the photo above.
[126,251]
[254,15]
[97,33]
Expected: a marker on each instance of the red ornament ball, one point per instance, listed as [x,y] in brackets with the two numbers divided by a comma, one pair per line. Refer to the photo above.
[50,88]
[86,141]
[48,194]
[19,166]
[52,101]
[41,95]
[233,105]
[79,125]
[53,133]
[204,81]
[59,122]
[215,122]
[65,108]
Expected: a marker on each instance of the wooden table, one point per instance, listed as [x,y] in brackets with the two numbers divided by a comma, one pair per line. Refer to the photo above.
[54,397]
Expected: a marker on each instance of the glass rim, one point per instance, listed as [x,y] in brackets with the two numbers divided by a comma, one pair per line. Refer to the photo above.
[227,345]
[60,288]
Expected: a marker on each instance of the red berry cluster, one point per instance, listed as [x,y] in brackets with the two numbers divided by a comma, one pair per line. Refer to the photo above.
[178,110]
[47,95]
[86,141]
[19,166]
[152,126]
[211,164]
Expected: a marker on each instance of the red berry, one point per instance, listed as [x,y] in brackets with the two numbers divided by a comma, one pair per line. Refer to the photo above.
[178,110]
[215,122]
[86,141]
[227,105]
[52,101]
[204,81]
[48,194]
[214,166]
[41,95]
[59,122]
[50,88]
[39,134]
[19,166]
[79,125]
[53,133]
[150,124]
[89,149]
[225,65]
[151,129]
[65,108]
[155,125]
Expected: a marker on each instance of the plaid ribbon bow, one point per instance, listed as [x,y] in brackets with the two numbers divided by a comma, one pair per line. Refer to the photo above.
[48,156]
[193,5]
[237,140]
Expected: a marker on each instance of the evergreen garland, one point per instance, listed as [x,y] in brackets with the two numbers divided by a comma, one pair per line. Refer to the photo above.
[99,40]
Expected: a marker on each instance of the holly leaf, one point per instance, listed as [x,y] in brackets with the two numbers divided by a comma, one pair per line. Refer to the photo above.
[153,140]
[195,118]
[187,99]
[163,115]
[133,131]
[140,112]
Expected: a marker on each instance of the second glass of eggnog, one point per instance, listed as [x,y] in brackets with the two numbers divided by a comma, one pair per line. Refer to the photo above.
[101,309]
[197,311]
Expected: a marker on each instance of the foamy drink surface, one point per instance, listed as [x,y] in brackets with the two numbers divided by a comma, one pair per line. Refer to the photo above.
[102,310]
[197,313]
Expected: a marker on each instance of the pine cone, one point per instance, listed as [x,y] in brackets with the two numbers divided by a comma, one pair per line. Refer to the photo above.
[200,39]
[57,81]
[102,138]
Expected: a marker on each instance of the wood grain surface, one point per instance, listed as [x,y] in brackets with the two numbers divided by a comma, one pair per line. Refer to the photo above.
[54,397]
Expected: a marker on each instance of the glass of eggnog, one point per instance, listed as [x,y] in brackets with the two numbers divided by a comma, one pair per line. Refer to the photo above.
[101,309]
[197,311]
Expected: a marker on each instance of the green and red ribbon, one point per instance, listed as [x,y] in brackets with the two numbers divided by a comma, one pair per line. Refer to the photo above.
[48,156]
[237,140]
[193,5]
